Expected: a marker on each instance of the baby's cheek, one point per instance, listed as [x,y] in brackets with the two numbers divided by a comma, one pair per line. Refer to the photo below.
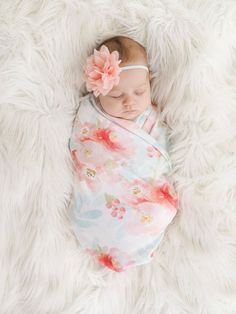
[106,103]
[112,106]
[112,103]
[146,101]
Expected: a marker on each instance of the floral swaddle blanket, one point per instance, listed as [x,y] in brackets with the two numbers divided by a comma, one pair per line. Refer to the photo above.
[123,201]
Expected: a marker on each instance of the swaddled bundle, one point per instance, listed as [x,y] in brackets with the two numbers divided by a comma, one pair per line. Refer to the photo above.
[123,201]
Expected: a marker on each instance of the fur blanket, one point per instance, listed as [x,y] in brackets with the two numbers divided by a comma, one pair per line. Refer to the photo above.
[192,51]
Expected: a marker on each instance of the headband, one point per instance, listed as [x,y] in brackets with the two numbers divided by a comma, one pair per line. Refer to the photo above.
[134,66]
[102,71]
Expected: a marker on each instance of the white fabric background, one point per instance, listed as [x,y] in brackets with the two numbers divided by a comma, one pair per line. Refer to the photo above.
[192,52]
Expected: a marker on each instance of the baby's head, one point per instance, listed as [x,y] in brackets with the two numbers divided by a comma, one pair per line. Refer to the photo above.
[126,93]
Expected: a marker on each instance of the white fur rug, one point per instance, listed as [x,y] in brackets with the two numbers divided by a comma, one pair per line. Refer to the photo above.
[192,51]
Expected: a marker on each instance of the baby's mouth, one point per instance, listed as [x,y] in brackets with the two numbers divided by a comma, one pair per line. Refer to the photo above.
[130,111]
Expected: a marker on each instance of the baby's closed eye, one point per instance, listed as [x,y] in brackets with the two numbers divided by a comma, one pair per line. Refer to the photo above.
[140,92]
[115,96]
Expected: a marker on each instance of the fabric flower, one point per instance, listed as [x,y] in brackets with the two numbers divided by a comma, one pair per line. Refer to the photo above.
[102,71]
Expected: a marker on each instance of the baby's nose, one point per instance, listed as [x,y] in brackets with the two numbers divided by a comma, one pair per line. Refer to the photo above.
[129,101]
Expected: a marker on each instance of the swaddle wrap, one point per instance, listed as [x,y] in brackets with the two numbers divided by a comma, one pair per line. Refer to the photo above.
[123,201]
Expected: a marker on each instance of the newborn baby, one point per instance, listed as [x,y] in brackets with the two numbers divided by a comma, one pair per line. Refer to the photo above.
[123,200]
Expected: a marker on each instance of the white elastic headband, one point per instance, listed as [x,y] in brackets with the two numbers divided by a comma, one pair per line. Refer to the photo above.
[134,66]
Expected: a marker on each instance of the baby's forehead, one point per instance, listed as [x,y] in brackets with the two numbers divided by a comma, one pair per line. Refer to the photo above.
[134,77]
[130,85]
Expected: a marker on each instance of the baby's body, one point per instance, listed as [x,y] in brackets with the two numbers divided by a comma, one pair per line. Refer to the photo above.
[123,200]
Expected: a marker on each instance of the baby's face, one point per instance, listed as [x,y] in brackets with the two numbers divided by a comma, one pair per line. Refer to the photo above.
[131,97]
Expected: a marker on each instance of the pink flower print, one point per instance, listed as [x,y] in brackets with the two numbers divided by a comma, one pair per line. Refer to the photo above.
[85,132]
[111,258]
[143,192]
[150,219]
[138,186]
[113,204]
[137,192]
[107,138]
[114,213]
[121,213]
[108,261]
[153,152]
[118,212]
[113,201]
[85,173]
[164,194]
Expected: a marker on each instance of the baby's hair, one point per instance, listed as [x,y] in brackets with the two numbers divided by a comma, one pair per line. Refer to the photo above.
[127,48]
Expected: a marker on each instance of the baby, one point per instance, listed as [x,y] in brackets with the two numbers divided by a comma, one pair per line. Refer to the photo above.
[123,200]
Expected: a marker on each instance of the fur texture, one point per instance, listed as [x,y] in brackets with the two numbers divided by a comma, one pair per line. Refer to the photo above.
[192,53]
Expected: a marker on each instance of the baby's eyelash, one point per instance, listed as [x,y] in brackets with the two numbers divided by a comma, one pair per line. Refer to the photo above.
[139,93]
[116,96]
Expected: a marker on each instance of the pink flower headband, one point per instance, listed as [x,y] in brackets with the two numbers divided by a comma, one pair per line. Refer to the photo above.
[102,71]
